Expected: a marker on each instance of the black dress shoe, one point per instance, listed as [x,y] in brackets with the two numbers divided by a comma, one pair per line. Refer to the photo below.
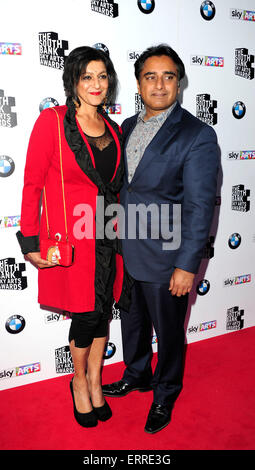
[87,420]
[121,388]
[158,418]
[103,412]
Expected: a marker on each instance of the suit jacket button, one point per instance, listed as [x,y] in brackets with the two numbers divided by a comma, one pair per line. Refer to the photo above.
[130,189]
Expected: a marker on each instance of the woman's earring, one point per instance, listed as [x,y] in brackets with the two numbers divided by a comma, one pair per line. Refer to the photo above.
[76,104]
[105,104]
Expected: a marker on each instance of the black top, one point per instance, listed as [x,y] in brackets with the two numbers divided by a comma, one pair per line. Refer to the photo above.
[105,154]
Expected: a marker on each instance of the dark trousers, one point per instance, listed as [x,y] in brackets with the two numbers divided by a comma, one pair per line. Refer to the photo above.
[153,304]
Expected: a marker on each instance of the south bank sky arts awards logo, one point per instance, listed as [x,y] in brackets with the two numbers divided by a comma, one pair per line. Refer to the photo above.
[52,50]
[240,200]
[207,10]
[146,6]
[8,118]
[106,7]
[244,63]
[235,318]
[205,109]
[11,275]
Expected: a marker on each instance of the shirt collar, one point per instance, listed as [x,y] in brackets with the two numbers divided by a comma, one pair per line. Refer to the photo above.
[160,118]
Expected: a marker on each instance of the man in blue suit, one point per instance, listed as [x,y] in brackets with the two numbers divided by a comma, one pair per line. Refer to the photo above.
[171,161]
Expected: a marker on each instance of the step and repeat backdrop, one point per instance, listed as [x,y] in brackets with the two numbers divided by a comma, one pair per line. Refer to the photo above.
[216,41]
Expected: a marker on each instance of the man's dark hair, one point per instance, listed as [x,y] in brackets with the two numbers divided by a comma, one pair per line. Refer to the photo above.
[161,49]
[76,64]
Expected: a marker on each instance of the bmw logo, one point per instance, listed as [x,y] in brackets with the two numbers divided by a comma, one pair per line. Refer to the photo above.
[203,287]
[207,11]
[146,6]
[7,166]
[15,324]
[239,110]
[102,47]
[234,241]
[109,351]
[48,103]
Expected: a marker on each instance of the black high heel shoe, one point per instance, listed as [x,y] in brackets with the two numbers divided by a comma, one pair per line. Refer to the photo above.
[103,412]
[87,420]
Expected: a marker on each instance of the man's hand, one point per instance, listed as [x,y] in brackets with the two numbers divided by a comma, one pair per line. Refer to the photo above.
[181,282]
[35,258]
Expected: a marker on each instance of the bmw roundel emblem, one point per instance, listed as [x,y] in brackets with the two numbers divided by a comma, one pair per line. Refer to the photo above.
[109,351]
[7,166]
[239,110]
[48,103]
[146,6]
[203,287]
[15,324]
[234,241]
[102,47]
[207,11]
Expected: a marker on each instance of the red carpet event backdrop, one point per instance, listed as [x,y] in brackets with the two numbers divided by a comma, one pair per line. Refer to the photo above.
[217,44]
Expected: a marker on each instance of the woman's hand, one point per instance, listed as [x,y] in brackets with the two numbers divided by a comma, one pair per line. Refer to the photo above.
[35,258]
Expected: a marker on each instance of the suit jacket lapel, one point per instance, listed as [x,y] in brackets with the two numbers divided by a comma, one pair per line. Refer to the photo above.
[165,134]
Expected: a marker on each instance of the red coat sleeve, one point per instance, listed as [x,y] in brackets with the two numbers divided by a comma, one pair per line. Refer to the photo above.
[40,150]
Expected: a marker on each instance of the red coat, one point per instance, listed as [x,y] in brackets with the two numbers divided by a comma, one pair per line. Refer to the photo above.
[72,288]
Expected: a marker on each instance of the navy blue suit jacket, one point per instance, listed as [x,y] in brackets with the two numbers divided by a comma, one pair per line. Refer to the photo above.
[179,167]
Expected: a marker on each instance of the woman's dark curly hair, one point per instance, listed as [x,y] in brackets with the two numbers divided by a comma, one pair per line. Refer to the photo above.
[76,64]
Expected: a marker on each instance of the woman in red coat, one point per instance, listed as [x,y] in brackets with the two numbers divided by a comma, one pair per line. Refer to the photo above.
[91,166]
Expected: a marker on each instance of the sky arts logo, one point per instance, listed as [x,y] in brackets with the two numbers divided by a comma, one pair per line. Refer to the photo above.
[9,221]
[10,48]
[132,56]
[241,155]
[56,317]
[202,327]
[146,6]
[246,15]
[237,280]
[207,11]
[113,109]
[207,60]
[20,370]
